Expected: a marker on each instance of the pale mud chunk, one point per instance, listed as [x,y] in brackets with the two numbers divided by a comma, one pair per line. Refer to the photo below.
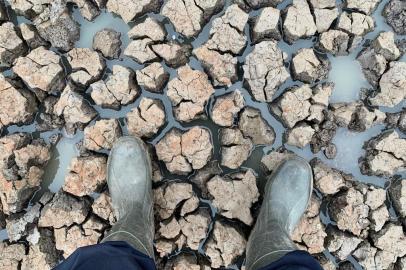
[335,42]
[189,206]
[149,28]
[365,255]
[234,195]
[392,86]
[131,9]
[76,111]
[189,92]
[264,70]
[164,247]
[103,208]
[174,54]
[11,255]
[226,108]
[168,197]
[153,77]
[394,12]
[294,105]
[47,120]
[69,239]
[378,218]
[87,66]
[188,16]
[385,45]
[64,210]
[226,33]
[140,50]
[254,127]
[11,44]
[222,68]
[17,105]
[276,157]
[225,245]
[169,229]
[146,120]
[350,212]
[298,22]
[397,192]
[386,154]
[355,23]
[308,67]
[391,240]
[326,179]
[108,43]
[31,36]
[235,149]
[341,244]
[375,197]
[365,6]
[58,27]
[19,224]
[22,164]
[102,134]
[325,263]
[203,175]
[42,253]
[324,18]
[86,175]
[266,25]
[183,261]
[373,65]
[300,136]
[310,232]
[41,69]
[195,228]
[120,88]
[88,9]
[323,3]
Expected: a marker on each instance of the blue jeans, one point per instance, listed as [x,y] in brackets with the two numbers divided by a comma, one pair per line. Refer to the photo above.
[120,255]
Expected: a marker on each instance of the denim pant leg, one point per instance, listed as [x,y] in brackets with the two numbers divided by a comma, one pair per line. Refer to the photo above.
[107,256]
[295,260]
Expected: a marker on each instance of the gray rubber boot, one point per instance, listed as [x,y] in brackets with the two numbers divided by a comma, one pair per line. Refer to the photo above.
[286,197]
[130,187]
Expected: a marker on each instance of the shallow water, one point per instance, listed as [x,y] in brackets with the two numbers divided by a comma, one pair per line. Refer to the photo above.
[345,73]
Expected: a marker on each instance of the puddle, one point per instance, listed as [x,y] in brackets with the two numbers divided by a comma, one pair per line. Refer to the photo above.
[3,235]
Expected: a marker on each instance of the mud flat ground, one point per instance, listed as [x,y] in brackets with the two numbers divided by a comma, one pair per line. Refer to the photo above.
[221,92]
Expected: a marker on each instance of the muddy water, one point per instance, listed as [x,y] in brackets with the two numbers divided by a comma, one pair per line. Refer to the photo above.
[345,73]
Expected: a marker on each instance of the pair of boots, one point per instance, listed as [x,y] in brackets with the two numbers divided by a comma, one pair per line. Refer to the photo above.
[287,194]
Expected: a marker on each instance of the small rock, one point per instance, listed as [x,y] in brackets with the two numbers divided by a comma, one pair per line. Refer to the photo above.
[108,43]
[103,208]
[327,180]
[168,197]
[355,23]
[174,54]
[298,22]
[86,175]
[11,44]
[324,18]
[31,36]
[225,245]
[330,151]
[309,68]
[189,93]
[235,149]
[335,42]
[226,108]
[64,210]
[394,14]
[76,111]
[254,127]
[87,66]
[41,69]
[300,136]
[222,68]
[263,82]
[397,192]
[266,25]
[146,119]
[120,88]
[153,77]
[102,134]
[234,195]
[183,152]
[17,105]
[131,9]
[364,6]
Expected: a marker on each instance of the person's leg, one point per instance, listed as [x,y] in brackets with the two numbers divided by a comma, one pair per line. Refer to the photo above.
[286,197]
[129,244]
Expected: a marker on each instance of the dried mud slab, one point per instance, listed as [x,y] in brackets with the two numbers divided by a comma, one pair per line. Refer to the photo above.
[102,134]
[226,108]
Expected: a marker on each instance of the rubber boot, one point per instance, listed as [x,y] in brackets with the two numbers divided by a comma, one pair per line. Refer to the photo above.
[130,187]
[286,197]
